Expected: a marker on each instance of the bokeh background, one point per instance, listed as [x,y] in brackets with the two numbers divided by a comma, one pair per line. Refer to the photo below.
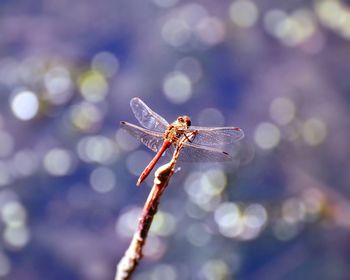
[278,69]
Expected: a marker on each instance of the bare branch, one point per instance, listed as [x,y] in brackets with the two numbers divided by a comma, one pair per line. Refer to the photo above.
[133,254]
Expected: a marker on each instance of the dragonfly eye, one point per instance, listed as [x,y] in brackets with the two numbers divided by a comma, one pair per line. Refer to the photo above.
[187,120]
[184,120]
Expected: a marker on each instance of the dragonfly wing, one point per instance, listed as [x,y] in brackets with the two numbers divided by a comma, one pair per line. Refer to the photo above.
[151,139]
[216,136]
[147,118]
[196,153]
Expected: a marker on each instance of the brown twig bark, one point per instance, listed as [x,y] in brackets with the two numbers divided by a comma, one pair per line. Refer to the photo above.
[133,254]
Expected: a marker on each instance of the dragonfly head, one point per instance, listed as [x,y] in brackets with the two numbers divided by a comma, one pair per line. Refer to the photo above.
[184,120]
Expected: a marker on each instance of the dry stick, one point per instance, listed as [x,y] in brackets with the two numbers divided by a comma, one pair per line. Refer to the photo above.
[133,254]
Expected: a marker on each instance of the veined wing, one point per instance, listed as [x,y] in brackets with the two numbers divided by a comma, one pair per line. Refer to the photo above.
[146,117]
[216,136]
[149,138]
[191,152]
[196,153]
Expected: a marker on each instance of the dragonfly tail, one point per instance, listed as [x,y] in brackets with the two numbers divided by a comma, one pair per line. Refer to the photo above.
[153,162]
[140,180]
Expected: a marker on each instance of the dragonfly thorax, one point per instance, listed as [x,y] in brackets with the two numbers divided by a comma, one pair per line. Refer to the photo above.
[178,128]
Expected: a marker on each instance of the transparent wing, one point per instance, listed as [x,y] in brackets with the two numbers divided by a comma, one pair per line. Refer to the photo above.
[196,153]
[216,136]
[190,153]
[151,139]
[146,116]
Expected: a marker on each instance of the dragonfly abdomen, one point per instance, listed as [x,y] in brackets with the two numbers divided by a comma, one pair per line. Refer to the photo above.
[150,166]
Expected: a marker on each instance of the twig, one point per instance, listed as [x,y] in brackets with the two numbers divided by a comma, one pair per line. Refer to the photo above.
[133,254]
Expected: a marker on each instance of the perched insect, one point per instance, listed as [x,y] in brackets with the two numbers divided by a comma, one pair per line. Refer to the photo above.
[202,142]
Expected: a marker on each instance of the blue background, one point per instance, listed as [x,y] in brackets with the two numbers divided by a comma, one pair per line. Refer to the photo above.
[68,201]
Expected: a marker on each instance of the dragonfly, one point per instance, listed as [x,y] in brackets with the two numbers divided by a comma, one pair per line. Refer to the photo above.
[202,144]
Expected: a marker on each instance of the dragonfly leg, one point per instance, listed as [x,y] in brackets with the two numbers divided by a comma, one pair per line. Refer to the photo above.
[191,137]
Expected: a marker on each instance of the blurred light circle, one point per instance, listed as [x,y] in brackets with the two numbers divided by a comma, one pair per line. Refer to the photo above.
[306,21]
[244,13]
[204,191]
[314,131]
[142,275]
[7,195]
[210,202]
[198,190]
[228,218]
[94,267]
[177,87]
[6,144]
[164,224]
[5,176]
[227,214]
[267,136]
[25,105]
[313,200]
[162,272]
[211,31]
[198,235]
[213,181]
[165,3]
[272,19]
[13,214]
[154,248]
[102,179]
[191,67]
[58,162]
[255,216]
[289,31]
[211,117]
[293,29]
[293,210]
[284,230]
[248,232]
[5,265]
[334,15]
[328,11]
[282,110]
[26,162]
[17,237]
[193,13]
[176,32]
[97,148]
[194,211]
[215,269]
[106,63]
[86,116]
[127,221]
[58,83]
[93,86]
